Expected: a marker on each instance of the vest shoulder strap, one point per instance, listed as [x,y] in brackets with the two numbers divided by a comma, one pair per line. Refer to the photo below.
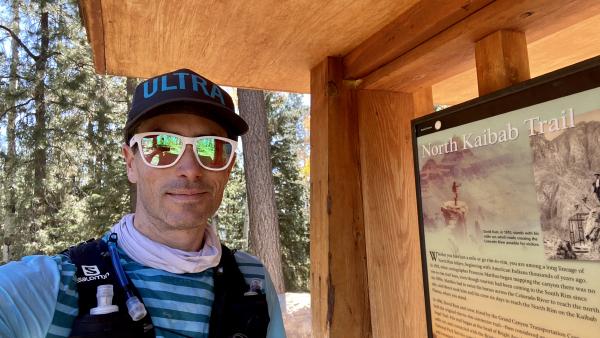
[235,312]
[94,268]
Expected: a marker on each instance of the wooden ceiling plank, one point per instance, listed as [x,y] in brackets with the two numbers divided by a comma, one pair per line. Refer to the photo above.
[91,15]
[419,23]
[266,44]
[452,51]
[273,45]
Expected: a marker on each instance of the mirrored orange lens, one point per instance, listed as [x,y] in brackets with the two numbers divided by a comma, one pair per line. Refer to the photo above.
[214,153]
[161,149]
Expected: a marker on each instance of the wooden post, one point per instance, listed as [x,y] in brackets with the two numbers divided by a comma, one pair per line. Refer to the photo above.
[501,60]
[339,290]
[391,224]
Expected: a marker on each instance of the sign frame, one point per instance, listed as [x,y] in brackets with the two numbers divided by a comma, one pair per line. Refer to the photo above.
[563,82]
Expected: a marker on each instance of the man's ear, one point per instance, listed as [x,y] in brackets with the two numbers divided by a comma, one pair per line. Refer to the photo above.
[129,157]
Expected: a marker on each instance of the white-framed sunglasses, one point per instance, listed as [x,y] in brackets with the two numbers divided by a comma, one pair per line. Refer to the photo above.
[163,150]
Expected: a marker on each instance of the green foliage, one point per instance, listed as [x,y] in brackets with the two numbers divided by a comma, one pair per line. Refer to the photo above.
[85,187]
[286,116]
[232,212]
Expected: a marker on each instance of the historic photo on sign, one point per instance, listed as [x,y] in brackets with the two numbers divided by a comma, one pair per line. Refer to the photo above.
[566,166]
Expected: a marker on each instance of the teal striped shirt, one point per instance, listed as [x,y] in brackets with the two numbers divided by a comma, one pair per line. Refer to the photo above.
[179,304]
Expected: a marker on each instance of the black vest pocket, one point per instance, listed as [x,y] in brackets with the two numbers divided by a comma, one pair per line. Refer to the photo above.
[113,325]
[250,317]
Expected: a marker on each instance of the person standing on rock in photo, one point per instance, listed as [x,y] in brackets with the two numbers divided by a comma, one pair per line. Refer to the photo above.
[455,187]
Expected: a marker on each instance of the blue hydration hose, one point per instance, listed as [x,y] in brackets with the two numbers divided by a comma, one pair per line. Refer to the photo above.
[136,309]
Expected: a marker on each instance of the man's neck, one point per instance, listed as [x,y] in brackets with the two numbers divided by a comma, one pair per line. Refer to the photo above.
[190,239]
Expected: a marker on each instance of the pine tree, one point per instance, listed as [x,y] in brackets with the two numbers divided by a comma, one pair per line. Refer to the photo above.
[68,179]
[286,114]
[263,236]
[9,159]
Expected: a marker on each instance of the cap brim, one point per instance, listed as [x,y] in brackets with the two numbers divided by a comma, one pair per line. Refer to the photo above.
[226,117]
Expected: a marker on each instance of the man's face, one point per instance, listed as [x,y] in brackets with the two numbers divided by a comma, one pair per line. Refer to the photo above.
[185,195]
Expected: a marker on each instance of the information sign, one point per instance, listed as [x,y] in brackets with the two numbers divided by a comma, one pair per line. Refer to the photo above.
[508,191]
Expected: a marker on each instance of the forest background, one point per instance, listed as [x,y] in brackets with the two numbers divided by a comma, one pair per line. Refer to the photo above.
[62,177]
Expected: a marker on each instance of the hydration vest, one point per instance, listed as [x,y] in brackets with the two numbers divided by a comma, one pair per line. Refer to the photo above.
[236,312]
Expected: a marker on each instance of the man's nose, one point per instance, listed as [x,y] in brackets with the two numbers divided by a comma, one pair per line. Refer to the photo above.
[188,164]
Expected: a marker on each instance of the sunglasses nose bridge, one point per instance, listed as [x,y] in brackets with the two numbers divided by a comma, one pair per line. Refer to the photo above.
[188,160]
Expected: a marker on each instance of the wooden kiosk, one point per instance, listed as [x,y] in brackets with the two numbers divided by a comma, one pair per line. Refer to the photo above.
[371,67]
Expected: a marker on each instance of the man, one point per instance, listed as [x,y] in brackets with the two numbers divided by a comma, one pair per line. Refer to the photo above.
[180,145]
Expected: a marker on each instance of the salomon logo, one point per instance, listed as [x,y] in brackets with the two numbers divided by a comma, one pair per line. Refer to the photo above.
[239,335]
[91,273]
[92,278]
[90,270]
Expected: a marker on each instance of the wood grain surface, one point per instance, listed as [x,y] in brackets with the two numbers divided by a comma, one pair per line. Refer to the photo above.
[568,46]
[452,51]
[390,209]
[266,44]
[388,45]
[92,20]
[501,60]
[319,220]
[418,23]
[339,288]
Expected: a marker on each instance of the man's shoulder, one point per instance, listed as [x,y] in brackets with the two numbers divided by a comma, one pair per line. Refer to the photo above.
[40,264]
[31,288]
[243,257]
[250,266]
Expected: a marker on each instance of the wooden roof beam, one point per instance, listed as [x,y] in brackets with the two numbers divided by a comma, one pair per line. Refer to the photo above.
[91,15]
[417,24]
[452,50]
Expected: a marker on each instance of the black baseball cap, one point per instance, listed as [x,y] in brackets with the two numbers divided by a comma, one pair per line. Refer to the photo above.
[184,86]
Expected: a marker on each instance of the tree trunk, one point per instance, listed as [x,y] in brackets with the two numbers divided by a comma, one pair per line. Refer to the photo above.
[39,133]
[131,83]
[11,153]
[264,227]
[246,228]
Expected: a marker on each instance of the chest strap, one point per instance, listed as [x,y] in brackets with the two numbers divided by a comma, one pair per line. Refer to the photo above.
[235,311]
